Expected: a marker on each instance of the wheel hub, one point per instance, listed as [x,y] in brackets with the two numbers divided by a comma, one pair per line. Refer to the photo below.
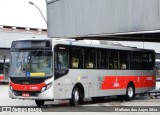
[130,92]
[76,96]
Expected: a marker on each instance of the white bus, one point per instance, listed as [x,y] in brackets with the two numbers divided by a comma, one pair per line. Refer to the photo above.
[58,69]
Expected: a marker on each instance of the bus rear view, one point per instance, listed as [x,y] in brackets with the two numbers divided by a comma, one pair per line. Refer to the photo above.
[31,70]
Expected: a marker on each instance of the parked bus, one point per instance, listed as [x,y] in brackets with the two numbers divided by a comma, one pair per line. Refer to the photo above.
[158,69]
[58,69]
[4,64]
[4,70]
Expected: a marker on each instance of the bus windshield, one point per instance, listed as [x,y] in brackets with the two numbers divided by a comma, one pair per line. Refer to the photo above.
[31,64]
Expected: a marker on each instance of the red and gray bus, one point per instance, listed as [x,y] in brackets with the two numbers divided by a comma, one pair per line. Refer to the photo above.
[4,64]
[64,69]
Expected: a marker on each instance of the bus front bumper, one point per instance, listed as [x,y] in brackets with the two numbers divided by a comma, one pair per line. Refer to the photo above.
[45,95]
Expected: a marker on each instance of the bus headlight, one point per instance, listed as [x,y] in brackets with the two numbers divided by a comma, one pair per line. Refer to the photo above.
[46,87]
[43,89]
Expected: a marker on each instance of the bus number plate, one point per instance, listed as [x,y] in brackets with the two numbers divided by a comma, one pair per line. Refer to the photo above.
[25,94]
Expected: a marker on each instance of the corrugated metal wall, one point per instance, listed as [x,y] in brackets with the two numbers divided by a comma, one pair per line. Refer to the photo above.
[97,17]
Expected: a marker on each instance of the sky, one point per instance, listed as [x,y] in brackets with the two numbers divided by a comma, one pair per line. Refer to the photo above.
[21,14]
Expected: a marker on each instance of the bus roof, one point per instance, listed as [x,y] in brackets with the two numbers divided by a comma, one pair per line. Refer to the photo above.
[89,43]
[98,44]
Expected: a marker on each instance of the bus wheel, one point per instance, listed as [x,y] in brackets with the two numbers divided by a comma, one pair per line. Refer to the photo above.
[39,102]
[130,92]
[75,97]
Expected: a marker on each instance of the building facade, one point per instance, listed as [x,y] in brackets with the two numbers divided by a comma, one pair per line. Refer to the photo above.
[7,35]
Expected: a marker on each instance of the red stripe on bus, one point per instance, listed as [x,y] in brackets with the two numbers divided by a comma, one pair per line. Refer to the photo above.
[2,77]
[33,87]
[120,82]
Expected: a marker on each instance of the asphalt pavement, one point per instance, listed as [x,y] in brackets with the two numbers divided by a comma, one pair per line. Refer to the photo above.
[146,103]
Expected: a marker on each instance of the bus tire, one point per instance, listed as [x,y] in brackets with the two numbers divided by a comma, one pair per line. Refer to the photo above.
[130,92]
[39,102]
[75,97]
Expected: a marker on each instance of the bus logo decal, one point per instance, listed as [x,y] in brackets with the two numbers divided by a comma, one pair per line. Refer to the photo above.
[116,84]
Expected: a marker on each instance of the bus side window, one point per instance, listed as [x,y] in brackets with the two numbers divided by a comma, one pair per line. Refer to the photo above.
[124,60]
[62,60]
[74,62]
[76,58]
[151,61]
[61,64]
[90,58]
[102,59]
[134,61]
[114,60]
[144,61]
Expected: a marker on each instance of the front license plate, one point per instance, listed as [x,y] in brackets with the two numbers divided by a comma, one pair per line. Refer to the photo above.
[25,94]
